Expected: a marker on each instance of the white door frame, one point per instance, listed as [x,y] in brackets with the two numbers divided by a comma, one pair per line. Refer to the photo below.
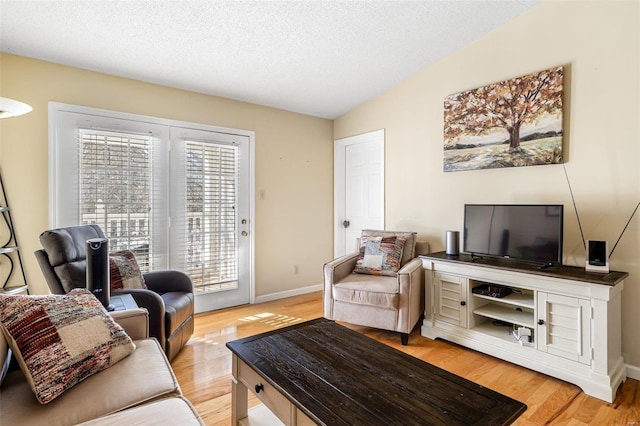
[55,107]
[339,182]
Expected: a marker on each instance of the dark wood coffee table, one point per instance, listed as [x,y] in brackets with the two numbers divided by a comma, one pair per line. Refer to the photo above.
[319,372]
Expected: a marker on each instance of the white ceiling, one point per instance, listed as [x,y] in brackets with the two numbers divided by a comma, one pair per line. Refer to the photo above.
[320,58]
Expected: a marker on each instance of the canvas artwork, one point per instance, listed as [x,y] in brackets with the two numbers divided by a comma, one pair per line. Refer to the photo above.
[513,123]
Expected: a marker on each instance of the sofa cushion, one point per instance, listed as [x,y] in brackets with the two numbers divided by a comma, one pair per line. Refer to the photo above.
[409,251]
[142,377]
[60,340]
[360,289]
[124,270]
[380,255]
[169,411]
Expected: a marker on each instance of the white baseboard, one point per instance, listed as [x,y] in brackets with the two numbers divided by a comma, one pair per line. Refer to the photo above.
[633,372]
[288,293]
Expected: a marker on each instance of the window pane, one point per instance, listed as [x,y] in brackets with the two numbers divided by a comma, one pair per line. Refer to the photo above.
[115,189]
[211,222]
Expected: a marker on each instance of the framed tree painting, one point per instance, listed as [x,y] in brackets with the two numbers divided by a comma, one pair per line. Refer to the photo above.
[512,123]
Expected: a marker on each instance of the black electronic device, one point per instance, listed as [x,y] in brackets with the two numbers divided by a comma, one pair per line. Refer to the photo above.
[98,270]
[492,290]
[597,256]
[597,253]
[531,232]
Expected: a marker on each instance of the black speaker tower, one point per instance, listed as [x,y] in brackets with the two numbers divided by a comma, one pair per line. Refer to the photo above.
[98,270]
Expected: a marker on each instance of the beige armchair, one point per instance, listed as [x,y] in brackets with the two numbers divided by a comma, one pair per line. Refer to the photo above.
[394,303]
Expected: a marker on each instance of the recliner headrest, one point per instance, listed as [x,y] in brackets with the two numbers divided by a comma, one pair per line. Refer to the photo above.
[68,245]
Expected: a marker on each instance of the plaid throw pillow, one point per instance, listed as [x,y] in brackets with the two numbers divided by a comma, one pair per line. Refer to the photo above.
[60,340]
[124,271]
[380,255]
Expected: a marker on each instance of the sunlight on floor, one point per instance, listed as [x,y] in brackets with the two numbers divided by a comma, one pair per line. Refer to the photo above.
[274,320]
[266,318]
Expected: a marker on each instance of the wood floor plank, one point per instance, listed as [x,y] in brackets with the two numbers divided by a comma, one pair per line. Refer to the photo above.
[203,368]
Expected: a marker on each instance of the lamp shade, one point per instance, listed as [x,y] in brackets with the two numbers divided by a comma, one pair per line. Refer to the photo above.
[12,108]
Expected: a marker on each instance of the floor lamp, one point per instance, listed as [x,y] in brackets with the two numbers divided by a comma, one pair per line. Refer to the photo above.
[11,108]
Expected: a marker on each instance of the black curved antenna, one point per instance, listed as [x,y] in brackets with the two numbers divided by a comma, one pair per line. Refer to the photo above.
[625,228]
[584,244]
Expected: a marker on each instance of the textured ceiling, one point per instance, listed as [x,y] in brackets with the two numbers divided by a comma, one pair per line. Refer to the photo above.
[320,58]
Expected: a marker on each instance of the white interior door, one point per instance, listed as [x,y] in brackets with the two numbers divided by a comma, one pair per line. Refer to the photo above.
[359,188]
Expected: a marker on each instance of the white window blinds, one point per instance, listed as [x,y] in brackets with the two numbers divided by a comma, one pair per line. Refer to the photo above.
[113,173]
[205,174]
[211,178]
[115,182]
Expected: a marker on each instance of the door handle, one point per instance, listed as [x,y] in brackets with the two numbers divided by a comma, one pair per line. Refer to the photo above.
[346,223]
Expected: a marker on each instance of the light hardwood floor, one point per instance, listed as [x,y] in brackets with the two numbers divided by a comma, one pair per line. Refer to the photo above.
[203,368]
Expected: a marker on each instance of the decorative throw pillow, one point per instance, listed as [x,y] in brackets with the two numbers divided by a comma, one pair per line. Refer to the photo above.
[60,340]
[380,255]
[124,270]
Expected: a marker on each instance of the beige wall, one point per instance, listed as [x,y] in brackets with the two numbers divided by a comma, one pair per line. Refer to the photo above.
[294,156]
[598,43]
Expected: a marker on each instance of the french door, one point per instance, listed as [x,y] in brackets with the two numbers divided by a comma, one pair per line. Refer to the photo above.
[210,171]
[177,194]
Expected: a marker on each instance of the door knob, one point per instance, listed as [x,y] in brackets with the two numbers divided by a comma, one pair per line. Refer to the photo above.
[346,223]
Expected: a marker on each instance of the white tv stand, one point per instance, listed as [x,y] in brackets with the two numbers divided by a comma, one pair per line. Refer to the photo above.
[573,317]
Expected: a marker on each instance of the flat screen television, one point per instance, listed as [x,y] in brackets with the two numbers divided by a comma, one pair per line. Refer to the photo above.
[531,232]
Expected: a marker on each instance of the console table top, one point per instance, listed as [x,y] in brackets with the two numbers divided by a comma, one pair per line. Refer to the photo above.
[574,273]
[338,377]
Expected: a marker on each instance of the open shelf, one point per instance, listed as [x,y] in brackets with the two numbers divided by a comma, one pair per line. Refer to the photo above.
[523,300]
[500,332]
[507,314]
[9,250]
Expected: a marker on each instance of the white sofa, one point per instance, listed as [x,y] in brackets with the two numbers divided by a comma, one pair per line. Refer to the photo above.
[139,389]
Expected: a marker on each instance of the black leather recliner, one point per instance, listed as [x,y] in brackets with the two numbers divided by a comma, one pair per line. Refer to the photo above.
[169,297]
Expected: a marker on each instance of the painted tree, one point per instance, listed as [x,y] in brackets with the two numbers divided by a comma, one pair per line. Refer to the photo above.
[508,105]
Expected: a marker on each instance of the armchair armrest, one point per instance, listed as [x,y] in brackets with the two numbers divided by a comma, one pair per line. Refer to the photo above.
[168,280]
[411,267]
[134,321]
[153,303]
[333,272]
[339,268]
[411,293]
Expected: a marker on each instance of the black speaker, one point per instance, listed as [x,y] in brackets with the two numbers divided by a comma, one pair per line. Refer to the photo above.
[98,270]
[597,256]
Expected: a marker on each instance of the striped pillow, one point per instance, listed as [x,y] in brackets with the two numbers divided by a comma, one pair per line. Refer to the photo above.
[380,255]
[60,340]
